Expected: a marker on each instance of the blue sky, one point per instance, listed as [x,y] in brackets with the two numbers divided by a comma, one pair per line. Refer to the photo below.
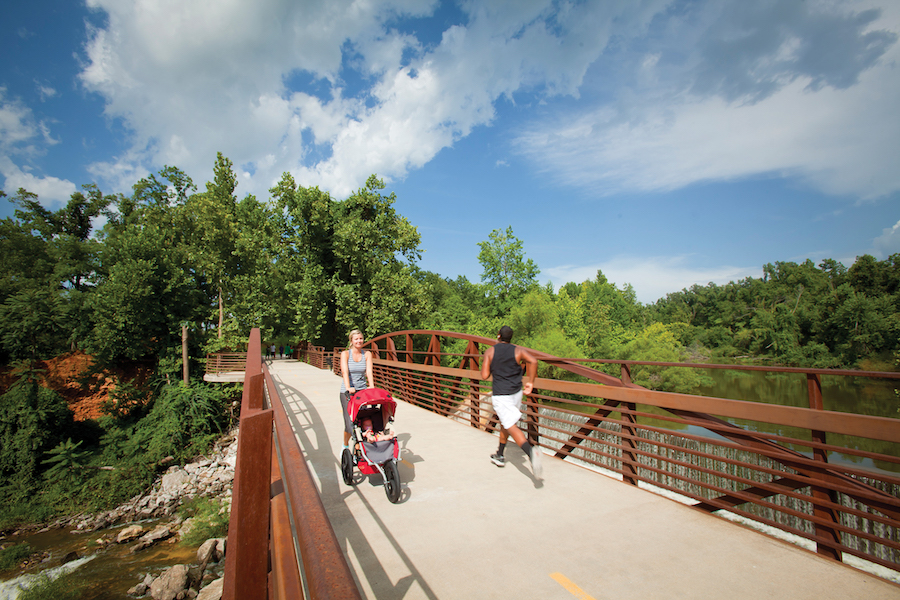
[665,143]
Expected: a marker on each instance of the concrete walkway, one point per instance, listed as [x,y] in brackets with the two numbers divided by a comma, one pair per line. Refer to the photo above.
[466,529]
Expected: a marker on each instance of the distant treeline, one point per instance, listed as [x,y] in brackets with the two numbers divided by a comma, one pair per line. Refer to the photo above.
[302,266]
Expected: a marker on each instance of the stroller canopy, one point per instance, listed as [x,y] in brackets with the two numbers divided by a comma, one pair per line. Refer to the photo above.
[370,400]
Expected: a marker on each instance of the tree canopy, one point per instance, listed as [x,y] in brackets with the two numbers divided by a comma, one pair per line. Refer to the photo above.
[302,265]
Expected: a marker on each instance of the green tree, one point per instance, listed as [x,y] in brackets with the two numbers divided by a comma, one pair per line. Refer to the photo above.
[33,419]
[658,343]
[599,317]
[506,274]
[375,249]
[306,260]
[49,260]
[148,283]
[215,232]
[347,264]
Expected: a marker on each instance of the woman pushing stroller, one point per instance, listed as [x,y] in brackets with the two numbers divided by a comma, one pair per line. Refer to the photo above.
[356,374]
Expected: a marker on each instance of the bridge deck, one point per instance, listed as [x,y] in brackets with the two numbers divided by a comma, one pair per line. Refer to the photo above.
[467,529]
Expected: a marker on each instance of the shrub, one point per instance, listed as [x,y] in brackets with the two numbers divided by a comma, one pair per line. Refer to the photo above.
[32,421]
[10,557]
[210,521]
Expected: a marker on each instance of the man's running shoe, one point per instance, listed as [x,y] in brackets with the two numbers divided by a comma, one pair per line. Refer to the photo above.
[498,459]
[536,466]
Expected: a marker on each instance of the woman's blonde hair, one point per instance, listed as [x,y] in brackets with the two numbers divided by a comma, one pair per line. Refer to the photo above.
[352,333]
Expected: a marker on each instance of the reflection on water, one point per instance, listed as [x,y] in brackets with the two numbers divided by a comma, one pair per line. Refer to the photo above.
[858,395]
[108,571]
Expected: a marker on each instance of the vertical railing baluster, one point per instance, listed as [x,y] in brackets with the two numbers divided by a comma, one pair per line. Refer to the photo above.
[629,432]
[822,494]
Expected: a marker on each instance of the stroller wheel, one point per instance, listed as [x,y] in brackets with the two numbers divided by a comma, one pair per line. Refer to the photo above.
[392,481]
[347,466]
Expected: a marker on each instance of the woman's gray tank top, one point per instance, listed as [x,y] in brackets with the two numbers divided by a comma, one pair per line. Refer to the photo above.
[357,372]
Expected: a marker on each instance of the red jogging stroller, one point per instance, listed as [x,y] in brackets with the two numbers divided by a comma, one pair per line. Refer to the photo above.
[381,456]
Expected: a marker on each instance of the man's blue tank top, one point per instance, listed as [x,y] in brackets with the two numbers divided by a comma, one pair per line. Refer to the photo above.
[506,371]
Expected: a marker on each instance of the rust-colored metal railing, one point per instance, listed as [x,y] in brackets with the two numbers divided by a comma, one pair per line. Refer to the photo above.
[261,561]
[797,469]
[225,362]
[314,355]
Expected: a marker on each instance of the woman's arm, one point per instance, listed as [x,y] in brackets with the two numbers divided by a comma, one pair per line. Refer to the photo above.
[369,369]
[345,370]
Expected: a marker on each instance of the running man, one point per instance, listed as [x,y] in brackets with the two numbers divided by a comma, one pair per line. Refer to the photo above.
[503,362]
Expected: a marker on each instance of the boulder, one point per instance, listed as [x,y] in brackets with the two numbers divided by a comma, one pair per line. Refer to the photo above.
[220,548]
[138,590]
[206,553]
[213,591]
[172,482]
[160,532]
[129,533]
[171,583]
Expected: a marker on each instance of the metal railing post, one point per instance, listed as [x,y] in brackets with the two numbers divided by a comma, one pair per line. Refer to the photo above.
[629,432]
[822,494]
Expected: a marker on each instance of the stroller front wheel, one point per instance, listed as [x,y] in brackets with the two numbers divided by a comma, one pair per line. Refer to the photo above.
[347,466]
[392,481]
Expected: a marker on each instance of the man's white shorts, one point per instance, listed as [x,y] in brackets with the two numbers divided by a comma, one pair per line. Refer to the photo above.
[508,408]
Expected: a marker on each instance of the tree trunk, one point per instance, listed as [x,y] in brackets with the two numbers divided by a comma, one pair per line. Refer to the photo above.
[221,312]
[184,354]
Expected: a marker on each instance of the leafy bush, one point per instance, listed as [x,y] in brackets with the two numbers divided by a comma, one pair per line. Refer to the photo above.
[33,420]
[65,460]
[10,557]
[209,520]
[182,423]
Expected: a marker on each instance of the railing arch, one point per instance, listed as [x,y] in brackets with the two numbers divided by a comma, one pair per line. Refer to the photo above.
[681,443]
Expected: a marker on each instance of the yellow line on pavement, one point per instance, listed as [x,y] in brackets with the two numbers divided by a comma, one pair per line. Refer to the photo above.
[571,587]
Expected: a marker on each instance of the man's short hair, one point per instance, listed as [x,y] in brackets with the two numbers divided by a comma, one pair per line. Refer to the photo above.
[505,333]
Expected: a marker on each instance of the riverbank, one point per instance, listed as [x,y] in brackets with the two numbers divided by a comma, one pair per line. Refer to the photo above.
[138,549]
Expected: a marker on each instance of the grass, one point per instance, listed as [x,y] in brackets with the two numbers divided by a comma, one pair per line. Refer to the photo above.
[64,587]
[10,557]
[210,521]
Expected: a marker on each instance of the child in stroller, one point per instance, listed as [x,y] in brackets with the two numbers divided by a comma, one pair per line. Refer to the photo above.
[372,448]
[370,435]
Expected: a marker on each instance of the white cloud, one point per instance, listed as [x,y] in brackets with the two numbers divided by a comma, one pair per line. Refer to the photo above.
[22,137]
[46,92]
[188,81]
[218,80]
[17,125]
[651,277]
[51,191]
[888,242]
[833,125]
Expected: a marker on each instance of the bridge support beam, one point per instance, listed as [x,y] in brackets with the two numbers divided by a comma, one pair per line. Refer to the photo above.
[247,553]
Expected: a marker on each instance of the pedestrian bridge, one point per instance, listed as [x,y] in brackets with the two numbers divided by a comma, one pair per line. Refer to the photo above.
[464,528]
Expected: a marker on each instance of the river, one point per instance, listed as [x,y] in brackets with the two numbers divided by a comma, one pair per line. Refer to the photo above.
[108,572]
[858,395]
